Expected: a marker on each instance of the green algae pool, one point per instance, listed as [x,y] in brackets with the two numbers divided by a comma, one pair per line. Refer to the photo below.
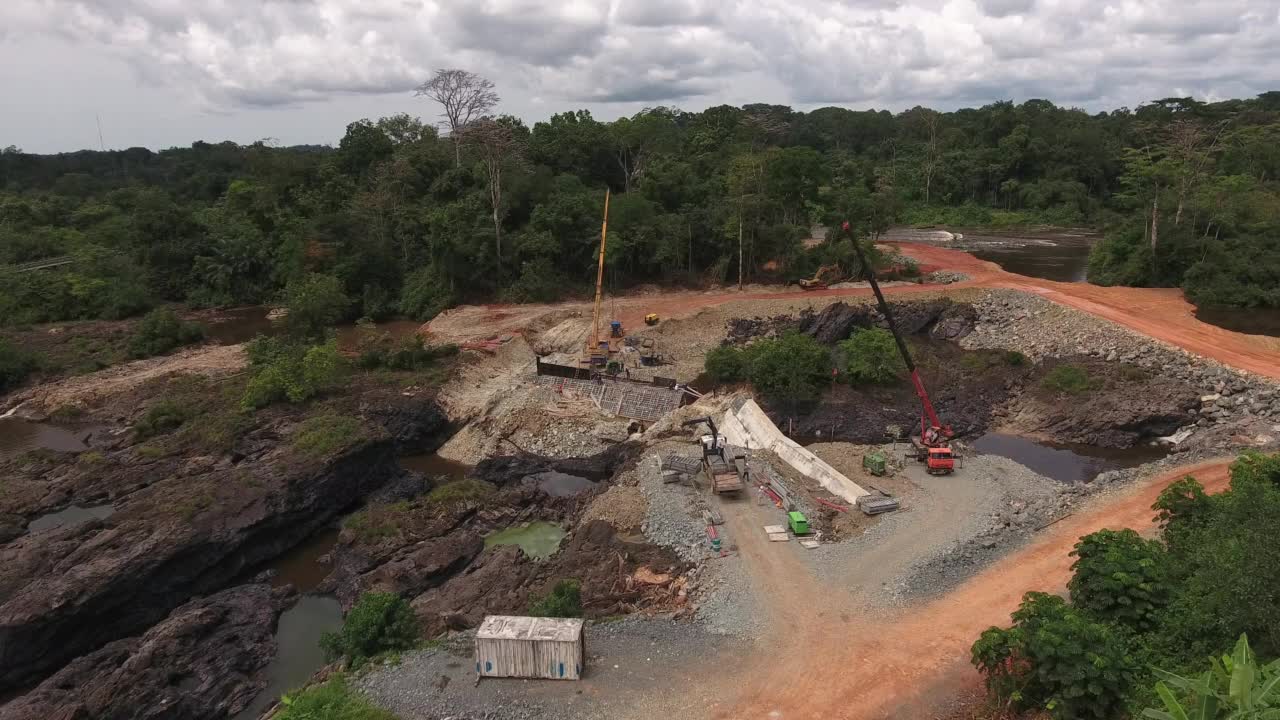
[538,540]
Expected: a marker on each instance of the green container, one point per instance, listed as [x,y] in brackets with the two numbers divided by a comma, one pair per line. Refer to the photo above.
[798,522]
[874,463]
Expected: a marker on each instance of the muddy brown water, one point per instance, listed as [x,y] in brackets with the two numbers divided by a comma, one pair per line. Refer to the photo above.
[301,567]
[1252,321]
[1065,462]
[298,653]
[432,465]
[558,484]
[1060,254]
[18,436]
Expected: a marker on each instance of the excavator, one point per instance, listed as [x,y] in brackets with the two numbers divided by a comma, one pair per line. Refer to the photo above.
[724,473]
[826,275]
[933,446]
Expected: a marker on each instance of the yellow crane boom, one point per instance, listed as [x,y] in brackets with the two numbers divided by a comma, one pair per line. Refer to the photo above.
[593,343]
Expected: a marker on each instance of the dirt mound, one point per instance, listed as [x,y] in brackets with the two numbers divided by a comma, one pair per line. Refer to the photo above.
[93,389]
[621,506]
[616,577]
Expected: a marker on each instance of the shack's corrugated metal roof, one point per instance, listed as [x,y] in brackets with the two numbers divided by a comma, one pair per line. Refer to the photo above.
[518,627]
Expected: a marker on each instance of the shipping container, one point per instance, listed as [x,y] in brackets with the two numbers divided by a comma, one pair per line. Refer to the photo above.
[530,647]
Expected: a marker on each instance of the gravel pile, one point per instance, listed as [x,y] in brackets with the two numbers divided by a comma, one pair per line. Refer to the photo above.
[622,506]
[1038,328]
[672,518]
[629,662]
[945,277]
[726,601]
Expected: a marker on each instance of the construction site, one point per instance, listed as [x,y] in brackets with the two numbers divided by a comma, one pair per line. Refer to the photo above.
[737,555]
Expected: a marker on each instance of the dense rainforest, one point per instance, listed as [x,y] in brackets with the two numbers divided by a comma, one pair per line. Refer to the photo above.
[410,221]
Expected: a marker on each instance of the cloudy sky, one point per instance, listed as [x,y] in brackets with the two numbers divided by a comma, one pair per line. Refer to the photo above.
[160,73]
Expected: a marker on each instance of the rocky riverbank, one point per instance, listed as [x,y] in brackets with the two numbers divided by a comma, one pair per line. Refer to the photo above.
[194,507]
[202,662]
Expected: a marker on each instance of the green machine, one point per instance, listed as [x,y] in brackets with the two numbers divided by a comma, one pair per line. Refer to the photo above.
[798,522]
[874,463]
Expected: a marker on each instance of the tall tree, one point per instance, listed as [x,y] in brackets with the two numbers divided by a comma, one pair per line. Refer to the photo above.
[497,143]
[464,97]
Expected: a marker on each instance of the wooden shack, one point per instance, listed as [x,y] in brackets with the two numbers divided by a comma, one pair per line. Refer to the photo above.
[530,647]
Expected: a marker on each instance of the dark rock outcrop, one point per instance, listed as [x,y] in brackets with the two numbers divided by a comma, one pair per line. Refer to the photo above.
[69,591]
[837,321]
[204,661]
[508,469]
[415,426]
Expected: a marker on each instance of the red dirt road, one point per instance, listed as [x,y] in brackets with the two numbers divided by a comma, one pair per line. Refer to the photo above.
[1162,314]
[856,666]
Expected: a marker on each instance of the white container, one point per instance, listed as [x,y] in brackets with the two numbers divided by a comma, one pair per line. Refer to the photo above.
[530,647]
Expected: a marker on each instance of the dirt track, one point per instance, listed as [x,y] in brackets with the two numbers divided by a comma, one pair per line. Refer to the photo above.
[829,660]
[1159,313]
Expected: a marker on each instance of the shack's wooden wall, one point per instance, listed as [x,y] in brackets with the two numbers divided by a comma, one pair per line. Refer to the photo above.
[550,659]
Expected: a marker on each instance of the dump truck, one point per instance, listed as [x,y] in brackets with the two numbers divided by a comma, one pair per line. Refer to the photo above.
[724,473]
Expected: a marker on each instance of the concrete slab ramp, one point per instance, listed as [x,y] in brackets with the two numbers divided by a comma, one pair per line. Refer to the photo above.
[746,425]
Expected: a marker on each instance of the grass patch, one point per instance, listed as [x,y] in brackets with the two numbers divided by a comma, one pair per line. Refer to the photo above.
[1069,380]
[564,601]
[373,524]
[459,492]
[151,452]
[67,413]
[1133,373]
[1014,358]
[333,699]
[162,417]
[92,457]
[326,434]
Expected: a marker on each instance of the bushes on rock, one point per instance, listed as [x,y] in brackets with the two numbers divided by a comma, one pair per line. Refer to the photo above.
[380,622]
[564,601]
[726,364]
[164,416]
[407,354]
[161,331]
[792,367]
[15,365]
[315,303]
[332,699]
[324,434]
[871,356]
[1068,379]
[460,492]
[285,371]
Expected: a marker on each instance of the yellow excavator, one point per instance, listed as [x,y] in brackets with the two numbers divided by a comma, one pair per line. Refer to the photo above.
[826,275]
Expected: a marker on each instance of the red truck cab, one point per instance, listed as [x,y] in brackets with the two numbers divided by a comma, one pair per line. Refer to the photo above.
[940,461]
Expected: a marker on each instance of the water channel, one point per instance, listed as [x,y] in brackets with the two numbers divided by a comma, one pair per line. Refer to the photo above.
[18,436]
[1065,462]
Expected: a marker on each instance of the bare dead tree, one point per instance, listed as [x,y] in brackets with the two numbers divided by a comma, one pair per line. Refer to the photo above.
[497,144]
[932,152]
[464,97]
[1191,144]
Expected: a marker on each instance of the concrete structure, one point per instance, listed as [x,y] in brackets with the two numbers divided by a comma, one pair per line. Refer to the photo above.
[530,647]
[746,425]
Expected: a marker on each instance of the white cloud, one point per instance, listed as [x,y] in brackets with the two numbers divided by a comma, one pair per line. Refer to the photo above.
[230,55]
